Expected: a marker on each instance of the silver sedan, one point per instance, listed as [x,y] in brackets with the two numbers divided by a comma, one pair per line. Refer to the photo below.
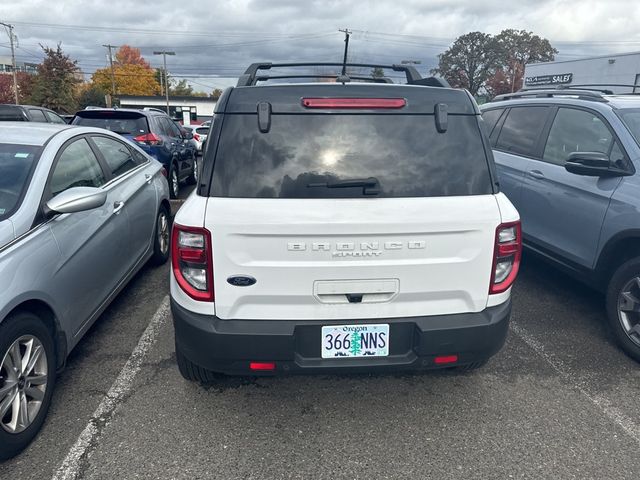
[81,211]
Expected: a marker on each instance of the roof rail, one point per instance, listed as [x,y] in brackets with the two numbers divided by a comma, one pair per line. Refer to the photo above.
[264,78]
[153,109]
[549,93]
[249,76]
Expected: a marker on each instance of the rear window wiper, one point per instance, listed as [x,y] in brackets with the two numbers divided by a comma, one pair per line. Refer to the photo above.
[370,186]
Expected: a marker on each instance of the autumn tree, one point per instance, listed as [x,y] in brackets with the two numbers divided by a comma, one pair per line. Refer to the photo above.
[516,48]
[217,92]
[56,82]
[469,62]
[127,55]
[25,87]
[133,74]
[181,88]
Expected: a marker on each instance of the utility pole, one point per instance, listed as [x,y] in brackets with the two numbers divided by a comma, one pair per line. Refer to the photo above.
[113,74]
[13,61]
[164,54]
[346,32]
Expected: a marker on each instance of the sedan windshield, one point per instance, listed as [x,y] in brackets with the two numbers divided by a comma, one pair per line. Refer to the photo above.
[631,118]
[16,165]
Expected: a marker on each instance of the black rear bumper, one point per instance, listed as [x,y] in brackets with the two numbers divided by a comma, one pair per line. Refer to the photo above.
[228,346]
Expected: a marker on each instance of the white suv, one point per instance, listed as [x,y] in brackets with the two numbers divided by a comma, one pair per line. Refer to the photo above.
[343,226]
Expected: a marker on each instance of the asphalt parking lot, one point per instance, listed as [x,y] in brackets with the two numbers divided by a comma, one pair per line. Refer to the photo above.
[559,401]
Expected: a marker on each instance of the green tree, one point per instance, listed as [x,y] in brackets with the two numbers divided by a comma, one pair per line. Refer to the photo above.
[516,48]
[56,82]
[469,62]
[216,93]
[377,72]
[181,88]
[91,95]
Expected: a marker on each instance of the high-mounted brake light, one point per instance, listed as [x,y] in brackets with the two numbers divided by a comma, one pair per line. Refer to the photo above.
[149,139]
[355,103]
[506,257]
[192,261]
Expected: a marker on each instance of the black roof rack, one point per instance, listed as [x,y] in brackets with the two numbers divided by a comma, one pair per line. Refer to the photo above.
[264,78]
[250,77]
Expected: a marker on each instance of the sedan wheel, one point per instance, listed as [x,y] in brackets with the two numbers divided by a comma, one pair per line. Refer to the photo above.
[162,234]
[629,309]
[174,183]
[24,372]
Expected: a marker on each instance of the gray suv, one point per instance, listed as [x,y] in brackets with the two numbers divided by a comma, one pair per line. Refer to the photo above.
[569,160]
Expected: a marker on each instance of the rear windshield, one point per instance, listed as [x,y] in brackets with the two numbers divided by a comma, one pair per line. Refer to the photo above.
[124,123]
[202,130]
[631,118]
[316,156]
[16,165]
[9,113]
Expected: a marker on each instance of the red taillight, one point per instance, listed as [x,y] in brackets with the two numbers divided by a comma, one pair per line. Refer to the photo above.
[338,103]
[506,256]
[262,366]
[164,172]
[192,261]
[196,137]
[149,139]
[444,359]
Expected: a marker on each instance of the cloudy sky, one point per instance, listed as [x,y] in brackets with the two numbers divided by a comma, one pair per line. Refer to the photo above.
[215,40]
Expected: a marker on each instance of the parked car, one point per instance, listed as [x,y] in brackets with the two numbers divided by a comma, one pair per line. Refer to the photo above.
[569,161]
[345,227]
[153,131]
[200,134]
[81,211]
[29,113]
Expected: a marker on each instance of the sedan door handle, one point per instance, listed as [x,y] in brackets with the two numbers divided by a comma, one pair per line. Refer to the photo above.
[536,174]
[148,178]
[117,206]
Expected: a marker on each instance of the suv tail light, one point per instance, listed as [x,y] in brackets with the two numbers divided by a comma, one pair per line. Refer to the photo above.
[337,103]
[506,256]
[149,139]
[196,137]
[192,261]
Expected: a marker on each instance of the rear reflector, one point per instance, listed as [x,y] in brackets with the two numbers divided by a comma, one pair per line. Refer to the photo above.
[356,103]
[444,359]
[262,366]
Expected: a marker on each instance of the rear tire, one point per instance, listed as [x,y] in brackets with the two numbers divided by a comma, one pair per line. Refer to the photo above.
[174,181]
[30,334]
[193,177]
[194,373]
[162,235]
[623,297]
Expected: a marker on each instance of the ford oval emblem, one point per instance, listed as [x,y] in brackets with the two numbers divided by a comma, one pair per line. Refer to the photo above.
[241,280]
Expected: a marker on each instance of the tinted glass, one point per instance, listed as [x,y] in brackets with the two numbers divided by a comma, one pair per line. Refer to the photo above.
[119,122]
[16,164]
[631,118]
[576,131]
[116,154]
[11,113]
[202,130]
[490,118]
[36,115]
[302,156]
[77,167]
[521,130]
[53,118]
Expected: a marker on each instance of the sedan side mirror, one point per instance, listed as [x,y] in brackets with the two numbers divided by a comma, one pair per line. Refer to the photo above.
[77,199]
[592,164]
[188,135]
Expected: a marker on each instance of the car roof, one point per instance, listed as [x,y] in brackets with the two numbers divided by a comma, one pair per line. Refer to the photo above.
[601,102]
[32,133]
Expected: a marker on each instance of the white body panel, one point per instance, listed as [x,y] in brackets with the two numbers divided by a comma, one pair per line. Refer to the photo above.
[406,256]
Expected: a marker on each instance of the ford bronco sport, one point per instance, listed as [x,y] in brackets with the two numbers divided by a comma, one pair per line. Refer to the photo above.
[345,226]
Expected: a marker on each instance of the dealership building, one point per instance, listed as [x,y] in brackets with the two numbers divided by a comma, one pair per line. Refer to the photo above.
[196,109]
[609,71]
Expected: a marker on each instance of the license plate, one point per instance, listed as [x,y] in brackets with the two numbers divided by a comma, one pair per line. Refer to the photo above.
[343,341]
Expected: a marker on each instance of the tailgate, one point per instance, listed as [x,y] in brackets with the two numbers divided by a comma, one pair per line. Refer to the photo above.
[352,258]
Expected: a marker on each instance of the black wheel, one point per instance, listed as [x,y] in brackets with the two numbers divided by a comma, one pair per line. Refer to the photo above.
[161,237]
[623,307]
[192,372]
[193,177]
[27,379]
[174,181]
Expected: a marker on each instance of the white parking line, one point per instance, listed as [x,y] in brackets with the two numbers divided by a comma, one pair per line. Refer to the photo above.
[602,403]
[70,467]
